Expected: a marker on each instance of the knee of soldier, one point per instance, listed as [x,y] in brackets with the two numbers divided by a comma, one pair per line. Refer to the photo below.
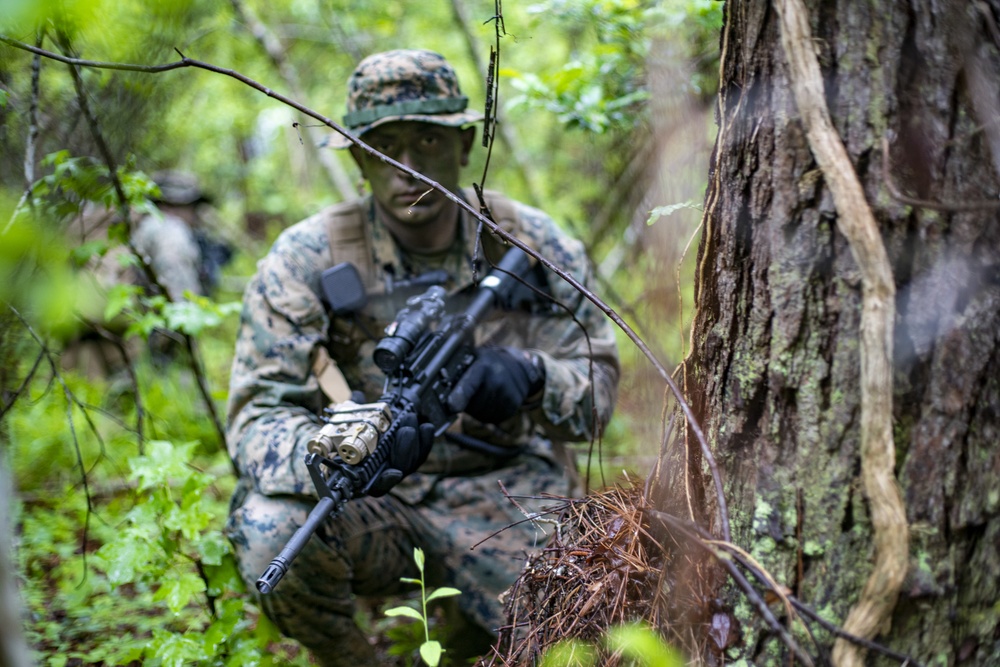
[259,529]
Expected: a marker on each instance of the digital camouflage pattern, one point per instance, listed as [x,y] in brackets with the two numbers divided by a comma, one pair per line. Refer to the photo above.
[455,502]
[405,84]
[170,247]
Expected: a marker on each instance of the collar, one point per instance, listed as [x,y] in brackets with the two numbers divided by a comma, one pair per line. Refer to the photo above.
[389,257]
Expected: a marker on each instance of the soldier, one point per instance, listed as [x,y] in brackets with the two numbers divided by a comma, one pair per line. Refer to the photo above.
[539,380]
[182,253]
[179,240]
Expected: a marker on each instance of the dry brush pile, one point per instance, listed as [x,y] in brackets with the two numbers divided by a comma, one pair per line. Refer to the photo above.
[607,565]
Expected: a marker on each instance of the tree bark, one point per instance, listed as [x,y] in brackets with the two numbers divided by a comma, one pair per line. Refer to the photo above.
[775,370]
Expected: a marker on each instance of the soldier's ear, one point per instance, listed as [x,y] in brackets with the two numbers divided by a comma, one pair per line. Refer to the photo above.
[357,154]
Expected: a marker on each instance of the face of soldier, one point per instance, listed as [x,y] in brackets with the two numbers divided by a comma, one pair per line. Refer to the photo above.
[436,151]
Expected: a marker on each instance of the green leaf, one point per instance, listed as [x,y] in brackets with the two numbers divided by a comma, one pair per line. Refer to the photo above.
[179,591]
[189,317]
[224,577]
[120,297]
[127,558]
[174,650]
[664,211]
[83,253]
[145,325]
[418,558]
[212,547]
[409,612]
[118,232]
[408,580]
[443,592]
[222,628]
[163,461]
[643,645]
[431,652]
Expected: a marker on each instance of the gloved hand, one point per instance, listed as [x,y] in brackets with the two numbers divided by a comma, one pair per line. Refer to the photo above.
[497,384]
[410,448]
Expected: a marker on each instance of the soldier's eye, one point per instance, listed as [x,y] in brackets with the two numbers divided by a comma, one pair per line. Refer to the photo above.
[429,140]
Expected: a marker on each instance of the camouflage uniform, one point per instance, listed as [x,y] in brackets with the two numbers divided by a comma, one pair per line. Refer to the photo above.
[175,251]
[453,507]
[168,242]
[171,249]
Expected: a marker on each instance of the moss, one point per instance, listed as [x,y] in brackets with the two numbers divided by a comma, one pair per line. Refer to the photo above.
[765,545]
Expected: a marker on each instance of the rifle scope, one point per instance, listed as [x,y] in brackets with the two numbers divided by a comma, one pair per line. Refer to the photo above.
[408,329]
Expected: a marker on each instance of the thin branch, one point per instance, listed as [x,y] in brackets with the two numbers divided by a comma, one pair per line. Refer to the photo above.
[24,385]
[274,49]
[692,532]
[703,539]
[71,400]
[140,410]
[29,148]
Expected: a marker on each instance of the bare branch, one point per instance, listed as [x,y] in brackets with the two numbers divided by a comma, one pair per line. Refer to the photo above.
[279,58]
[29,149]
[24,385]
[71,400]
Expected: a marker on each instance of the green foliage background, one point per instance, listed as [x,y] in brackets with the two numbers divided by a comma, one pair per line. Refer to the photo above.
[121,480]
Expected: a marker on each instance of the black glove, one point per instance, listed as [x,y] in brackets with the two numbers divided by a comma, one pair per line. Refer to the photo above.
[410,448]
[497,384]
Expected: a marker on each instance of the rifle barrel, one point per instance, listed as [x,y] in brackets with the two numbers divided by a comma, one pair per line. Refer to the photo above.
[279,566]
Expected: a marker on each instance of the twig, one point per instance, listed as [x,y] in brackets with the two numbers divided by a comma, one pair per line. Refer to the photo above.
[691,531]
[71,400]
[29,148]
[278,55]
[24,384]
[833,628]
[522,167]
[874,607]
[140,410]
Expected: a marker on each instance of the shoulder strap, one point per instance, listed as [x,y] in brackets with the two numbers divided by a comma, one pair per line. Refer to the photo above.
[349,242]
[349,239]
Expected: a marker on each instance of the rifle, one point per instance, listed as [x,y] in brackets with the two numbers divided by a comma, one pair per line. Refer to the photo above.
[422,364]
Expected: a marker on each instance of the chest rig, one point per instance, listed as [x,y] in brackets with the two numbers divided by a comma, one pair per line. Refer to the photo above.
[350,236]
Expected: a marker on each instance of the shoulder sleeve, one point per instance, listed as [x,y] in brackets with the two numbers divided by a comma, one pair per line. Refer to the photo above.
[577,344]
[274,399]
[171,249]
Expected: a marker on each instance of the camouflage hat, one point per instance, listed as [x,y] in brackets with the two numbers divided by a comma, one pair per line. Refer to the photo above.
[406,84]
[178,188]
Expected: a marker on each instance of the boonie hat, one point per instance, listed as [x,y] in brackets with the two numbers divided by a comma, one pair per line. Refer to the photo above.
[179,188]
[405,84]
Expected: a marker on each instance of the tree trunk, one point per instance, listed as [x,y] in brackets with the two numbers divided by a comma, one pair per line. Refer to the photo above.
[774,374]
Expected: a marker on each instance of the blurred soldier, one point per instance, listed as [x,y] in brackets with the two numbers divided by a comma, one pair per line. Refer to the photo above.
[540,379]
[179,242]
[174,239]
